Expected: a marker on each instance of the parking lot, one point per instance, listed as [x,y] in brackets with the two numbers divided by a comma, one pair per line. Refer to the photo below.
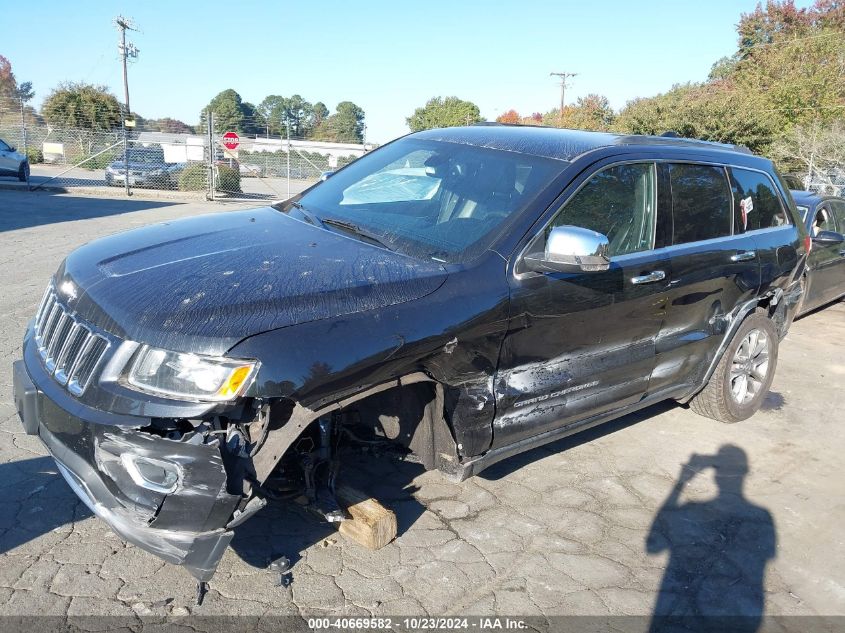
[581,526]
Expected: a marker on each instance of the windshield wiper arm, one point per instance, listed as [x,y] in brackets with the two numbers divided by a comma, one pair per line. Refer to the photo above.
[356,230]
[310,217]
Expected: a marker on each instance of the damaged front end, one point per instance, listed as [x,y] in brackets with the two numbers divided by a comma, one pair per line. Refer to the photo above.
[165,474]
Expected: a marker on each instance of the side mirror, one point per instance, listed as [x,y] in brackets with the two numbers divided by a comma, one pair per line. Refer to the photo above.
[571,249]
[12,148]
[828,238]
[326,175]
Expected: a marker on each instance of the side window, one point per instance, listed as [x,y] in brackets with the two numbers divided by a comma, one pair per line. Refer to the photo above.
[617,202]
[823,221]
[701,202]
[756,203]
[838,207]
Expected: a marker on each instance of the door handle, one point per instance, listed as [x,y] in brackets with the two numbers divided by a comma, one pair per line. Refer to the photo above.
[743,256]
[656,275]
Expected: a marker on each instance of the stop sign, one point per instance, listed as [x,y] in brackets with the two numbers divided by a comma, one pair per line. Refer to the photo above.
[231,140]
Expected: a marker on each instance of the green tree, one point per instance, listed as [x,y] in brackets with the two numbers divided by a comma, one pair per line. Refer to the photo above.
[440,112]
[592,112]
[346,125]
[232,114]
[272,110]
[82,106]
[321,113]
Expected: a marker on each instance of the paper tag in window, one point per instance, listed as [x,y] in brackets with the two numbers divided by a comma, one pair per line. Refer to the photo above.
[746,206]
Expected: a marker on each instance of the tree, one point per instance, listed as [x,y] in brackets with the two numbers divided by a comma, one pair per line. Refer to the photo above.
[592,112]
[511,116]
[440,112]
[13,96]
[321,113]
[231,113]
[82,106]
[170,126]
[346,125]
[814,151]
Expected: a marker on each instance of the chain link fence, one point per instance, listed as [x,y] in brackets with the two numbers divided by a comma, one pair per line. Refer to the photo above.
[198,164]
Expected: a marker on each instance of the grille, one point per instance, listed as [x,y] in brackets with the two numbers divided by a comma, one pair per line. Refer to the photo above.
[71,352]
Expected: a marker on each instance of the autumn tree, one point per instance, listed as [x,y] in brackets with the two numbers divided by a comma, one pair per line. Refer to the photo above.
[511,116]
[440,112]
[13,95]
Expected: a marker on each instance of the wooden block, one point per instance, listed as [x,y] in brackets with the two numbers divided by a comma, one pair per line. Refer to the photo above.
[372,525]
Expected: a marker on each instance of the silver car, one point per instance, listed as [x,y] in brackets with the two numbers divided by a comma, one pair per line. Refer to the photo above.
[12,162]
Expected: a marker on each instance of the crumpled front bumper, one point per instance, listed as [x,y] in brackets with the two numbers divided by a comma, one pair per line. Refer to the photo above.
[184,527]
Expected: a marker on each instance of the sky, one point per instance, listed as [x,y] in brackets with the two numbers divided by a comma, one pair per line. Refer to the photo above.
[389,57]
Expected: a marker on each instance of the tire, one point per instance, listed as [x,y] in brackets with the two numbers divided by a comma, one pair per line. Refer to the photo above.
[724,398]
[23,171]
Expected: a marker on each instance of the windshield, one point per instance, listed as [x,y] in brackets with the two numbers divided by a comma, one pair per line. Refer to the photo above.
[431,198]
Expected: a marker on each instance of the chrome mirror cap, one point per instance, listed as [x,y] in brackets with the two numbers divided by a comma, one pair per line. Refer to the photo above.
[572,249]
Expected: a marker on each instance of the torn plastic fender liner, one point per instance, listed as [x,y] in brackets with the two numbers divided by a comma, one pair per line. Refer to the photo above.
[183,526]
[279,440]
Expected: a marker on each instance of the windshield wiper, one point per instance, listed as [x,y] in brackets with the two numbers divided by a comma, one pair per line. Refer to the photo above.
[356,230]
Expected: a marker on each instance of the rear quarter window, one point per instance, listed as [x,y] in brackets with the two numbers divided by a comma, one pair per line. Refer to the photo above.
[756,202]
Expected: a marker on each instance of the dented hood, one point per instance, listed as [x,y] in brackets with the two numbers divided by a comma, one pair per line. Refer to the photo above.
[202,284]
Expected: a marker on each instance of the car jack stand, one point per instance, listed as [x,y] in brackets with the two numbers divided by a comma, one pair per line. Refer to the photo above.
[281,566]
[202,589]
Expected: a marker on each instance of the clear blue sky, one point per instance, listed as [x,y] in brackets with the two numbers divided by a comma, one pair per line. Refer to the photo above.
[387,56]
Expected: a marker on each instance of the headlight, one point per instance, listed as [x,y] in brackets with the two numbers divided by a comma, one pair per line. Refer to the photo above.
[190,376]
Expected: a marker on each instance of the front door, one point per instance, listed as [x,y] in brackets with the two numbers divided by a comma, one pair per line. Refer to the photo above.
[580,344]
[7,165]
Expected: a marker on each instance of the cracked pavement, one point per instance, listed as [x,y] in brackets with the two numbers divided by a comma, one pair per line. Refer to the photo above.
[575,527]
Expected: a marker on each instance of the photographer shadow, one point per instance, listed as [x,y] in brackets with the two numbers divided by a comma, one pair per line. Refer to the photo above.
[718,551]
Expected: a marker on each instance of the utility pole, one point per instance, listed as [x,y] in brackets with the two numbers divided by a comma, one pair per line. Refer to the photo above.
[563,78]
[126,50]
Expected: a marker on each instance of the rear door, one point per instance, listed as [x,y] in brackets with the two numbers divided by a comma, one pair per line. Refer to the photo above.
[827,264]
[713,270]
[580,344]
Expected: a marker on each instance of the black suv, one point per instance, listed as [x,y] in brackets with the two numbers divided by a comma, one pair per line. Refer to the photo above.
[465,294]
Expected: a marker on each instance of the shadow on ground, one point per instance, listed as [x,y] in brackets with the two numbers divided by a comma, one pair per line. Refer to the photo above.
[34,501]
[20,210]
[287,529]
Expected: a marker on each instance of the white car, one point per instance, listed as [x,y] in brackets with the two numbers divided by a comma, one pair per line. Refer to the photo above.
[12,162]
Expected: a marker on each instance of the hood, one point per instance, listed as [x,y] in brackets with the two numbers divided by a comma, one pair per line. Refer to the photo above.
[202,284]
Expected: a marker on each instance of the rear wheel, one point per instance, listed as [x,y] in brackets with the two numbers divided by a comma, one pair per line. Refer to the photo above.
[744,374]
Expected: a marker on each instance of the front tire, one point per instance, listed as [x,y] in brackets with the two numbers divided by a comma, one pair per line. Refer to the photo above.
[23,172]
[744,375]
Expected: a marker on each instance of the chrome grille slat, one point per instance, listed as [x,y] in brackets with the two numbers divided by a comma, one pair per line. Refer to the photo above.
[70,350]
[50,327]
